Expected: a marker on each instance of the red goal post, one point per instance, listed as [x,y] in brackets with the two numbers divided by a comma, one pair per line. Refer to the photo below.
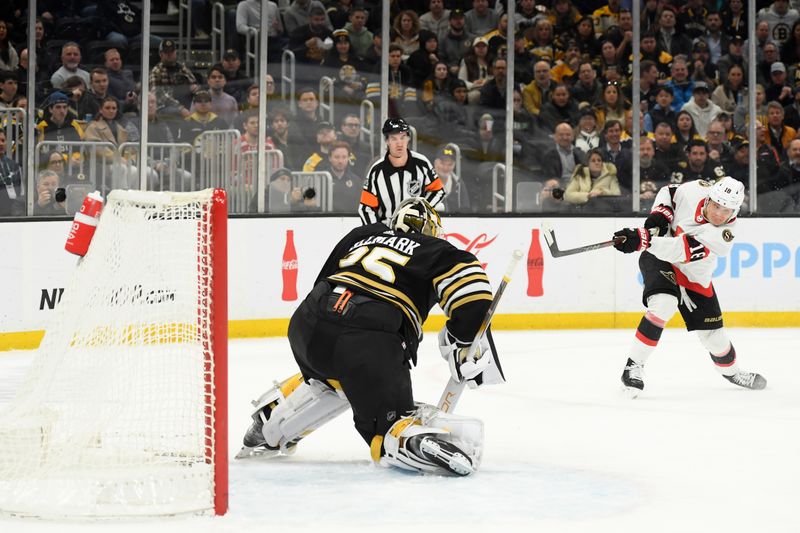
[124,409]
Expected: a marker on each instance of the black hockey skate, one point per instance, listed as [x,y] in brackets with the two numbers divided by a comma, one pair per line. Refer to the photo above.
[748,380]
[441,453]
[254,436]
[632,378]
[255,445]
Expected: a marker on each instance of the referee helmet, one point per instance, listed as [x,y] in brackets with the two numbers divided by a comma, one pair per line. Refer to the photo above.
[395,125]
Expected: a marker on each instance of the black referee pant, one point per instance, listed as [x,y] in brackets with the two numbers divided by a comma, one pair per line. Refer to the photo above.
[359,344]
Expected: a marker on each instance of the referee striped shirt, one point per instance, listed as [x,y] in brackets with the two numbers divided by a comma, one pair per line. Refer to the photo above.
[386,186]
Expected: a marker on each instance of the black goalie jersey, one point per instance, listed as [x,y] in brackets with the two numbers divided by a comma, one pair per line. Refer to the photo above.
[413,272]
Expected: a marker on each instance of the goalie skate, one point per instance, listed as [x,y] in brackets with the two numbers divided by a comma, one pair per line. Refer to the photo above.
[748,380]
[633,378]
[263,451]
[255,444]
[441,453]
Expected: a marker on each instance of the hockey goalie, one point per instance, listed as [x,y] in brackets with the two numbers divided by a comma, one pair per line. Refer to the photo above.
[355,338]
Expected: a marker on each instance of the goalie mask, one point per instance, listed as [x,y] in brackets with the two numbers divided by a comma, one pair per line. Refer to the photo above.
[728,192]
[416,215]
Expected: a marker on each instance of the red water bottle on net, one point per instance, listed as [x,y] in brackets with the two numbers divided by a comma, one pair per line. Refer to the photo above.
[535,266]
[289,268]
[84,224]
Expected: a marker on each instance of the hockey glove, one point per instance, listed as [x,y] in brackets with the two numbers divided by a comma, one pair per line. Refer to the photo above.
[480,369]
[629,240]
[660,218]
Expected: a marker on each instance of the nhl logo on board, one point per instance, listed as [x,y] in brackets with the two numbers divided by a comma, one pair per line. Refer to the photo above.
[727,235]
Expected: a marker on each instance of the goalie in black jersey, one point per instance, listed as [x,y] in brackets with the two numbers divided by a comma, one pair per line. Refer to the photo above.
[355,338]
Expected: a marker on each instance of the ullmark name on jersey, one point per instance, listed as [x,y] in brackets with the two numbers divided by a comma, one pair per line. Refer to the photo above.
[401,244]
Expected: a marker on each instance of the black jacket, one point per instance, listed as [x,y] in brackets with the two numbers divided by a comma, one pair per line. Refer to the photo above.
[12,196]
[551,162]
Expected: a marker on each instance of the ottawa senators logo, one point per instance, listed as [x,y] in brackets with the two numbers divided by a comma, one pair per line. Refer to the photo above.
[727,235]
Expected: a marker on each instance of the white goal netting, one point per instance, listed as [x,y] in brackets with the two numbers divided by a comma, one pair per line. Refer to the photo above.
[120,412]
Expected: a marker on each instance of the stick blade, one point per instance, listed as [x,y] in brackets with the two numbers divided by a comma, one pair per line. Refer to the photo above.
[548,233]
[550,238]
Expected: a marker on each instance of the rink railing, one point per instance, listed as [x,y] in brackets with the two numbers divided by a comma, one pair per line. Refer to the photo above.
[217,159]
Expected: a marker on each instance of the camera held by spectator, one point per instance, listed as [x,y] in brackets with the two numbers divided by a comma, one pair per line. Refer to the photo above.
[50,196]
[57,195]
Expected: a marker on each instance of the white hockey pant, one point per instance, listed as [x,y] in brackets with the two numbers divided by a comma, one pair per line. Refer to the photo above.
[465,433]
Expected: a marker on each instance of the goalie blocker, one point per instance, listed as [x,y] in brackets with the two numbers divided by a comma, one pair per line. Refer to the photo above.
[355,338]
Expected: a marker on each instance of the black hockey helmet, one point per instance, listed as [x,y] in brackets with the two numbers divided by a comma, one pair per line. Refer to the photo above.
[395,125]
[416,215]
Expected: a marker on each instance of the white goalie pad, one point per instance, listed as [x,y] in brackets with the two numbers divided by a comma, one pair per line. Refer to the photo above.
[307,408]
[463,432]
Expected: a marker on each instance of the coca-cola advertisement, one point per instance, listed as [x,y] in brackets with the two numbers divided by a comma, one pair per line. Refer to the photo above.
[471,244]
[535,266]
[289,269]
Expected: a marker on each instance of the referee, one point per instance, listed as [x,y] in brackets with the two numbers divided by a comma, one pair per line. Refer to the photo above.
[402,173]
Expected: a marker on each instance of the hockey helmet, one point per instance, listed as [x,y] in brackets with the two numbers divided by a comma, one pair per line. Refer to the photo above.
[728,192]
[395,125]
[416,215]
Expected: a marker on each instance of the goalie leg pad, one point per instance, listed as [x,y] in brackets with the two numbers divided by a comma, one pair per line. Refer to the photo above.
[431,441]
[264,406]
[308,407]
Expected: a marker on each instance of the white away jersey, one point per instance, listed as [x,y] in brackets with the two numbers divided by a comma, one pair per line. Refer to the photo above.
[694,243]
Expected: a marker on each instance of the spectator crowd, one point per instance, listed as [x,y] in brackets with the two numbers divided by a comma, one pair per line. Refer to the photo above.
[447,76]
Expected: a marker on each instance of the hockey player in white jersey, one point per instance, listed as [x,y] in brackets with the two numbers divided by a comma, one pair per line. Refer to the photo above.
[689,226]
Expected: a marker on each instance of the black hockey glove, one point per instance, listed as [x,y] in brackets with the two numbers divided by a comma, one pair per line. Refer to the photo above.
[629,240]
[660,217]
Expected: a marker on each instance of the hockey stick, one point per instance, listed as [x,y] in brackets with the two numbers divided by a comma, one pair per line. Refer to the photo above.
[550,237]
[452,392]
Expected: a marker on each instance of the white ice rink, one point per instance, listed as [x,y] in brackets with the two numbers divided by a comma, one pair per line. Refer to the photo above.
[565,450]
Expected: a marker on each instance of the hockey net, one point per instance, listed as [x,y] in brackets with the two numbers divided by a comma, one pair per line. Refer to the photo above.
[124,409]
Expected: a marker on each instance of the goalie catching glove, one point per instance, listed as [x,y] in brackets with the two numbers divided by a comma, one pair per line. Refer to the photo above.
[482,368]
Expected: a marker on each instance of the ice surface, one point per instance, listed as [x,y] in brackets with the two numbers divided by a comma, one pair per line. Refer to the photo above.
[565,450]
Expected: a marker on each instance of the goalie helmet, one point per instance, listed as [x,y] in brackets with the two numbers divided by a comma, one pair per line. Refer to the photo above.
[728,192]
[416,215]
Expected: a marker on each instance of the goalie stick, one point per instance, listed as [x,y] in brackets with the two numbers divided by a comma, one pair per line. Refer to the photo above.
[453,389]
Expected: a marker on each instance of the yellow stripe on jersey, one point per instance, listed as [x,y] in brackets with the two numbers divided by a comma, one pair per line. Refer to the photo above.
[452,271]
[470,298]
[383,292]
[460,283]
[380,286]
